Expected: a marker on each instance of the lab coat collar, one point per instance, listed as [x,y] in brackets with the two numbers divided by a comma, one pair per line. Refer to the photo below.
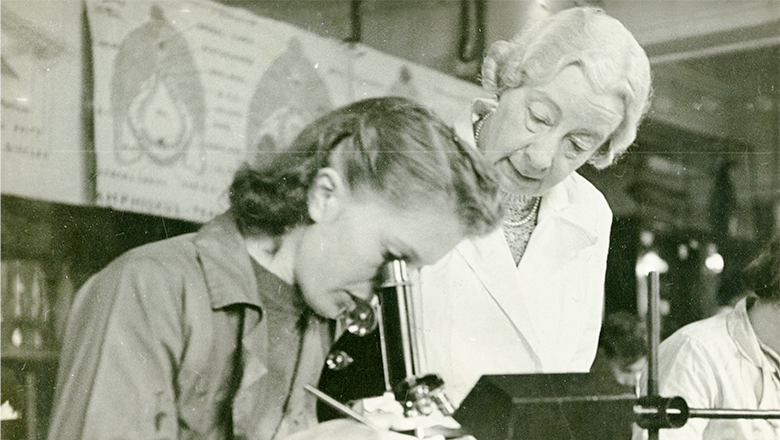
[226,264]
[741,331]
[562,202]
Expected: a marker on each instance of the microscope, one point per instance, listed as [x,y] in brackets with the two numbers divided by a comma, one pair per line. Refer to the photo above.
[378,353]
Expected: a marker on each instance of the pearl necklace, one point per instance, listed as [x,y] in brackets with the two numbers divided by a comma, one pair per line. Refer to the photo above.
[511,201]
[518,224]
[478,127]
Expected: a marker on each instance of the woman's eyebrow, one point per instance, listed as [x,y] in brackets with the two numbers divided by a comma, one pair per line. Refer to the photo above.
[592,137]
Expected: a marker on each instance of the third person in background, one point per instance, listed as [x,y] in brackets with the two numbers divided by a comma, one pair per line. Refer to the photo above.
[729,361]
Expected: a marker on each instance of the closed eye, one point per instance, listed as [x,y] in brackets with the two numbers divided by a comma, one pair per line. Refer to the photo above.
[585,142]
[538,118]
[578,146]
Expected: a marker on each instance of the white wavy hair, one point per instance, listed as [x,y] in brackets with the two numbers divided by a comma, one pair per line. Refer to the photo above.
[609,55]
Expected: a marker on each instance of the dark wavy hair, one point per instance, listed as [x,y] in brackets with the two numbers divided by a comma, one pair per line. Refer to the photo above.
[390,145]
[762,275]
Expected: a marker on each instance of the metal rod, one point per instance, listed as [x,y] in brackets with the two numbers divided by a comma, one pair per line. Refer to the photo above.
[383,350]
[406,335]
[654,340]
[31,405]
[653,332]
[356,18]
[395,333]
[400,279]
[652,411]
[714,413]
[575,399]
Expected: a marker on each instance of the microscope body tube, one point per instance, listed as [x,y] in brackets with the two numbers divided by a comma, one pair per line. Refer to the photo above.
[419,394]
[399,351]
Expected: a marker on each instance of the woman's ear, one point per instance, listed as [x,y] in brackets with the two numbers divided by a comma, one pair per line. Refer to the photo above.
[327,195]
[482,106]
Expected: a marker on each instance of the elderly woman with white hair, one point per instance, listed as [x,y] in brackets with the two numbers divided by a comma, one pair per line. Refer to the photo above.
[570,89]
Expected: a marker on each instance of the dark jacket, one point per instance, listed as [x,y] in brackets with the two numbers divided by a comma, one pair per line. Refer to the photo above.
[187,338]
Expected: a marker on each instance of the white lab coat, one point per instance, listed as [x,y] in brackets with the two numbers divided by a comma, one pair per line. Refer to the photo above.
[480,314]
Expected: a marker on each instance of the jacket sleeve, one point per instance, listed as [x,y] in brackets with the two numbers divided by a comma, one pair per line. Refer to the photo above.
[119,356]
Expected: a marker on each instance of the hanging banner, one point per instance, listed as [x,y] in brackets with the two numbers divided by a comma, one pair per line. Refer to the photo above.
[186,91]
[41,87]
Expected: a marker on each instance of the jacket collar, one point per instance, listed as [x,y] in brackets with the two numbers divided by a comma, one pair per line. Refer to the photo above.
[227,267]
[561,213]
[741,331]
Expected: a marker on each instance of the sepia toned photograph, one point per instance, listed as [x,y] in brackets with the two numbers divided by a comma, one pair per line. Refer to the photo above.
[390,219]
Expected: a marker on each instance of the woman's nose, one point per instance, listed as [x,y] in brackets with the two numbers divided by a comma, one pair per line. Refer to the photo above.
[540,152]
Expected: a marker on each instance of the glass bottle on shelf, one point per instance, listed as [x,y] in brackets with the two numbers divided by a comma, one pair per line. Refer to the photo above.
[25,307]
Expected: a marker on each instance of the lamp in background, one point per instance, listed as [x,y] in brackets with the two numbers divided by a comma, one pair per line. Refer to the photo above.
[714,261]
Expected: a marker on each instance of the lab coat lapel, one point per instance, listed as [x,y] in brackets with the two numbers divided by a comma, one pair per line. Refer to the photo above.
[562,232]
[491,260]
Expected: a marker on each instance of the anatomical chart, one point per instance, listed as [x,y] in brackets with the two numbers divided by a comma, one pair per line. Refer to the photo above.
[187,91]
